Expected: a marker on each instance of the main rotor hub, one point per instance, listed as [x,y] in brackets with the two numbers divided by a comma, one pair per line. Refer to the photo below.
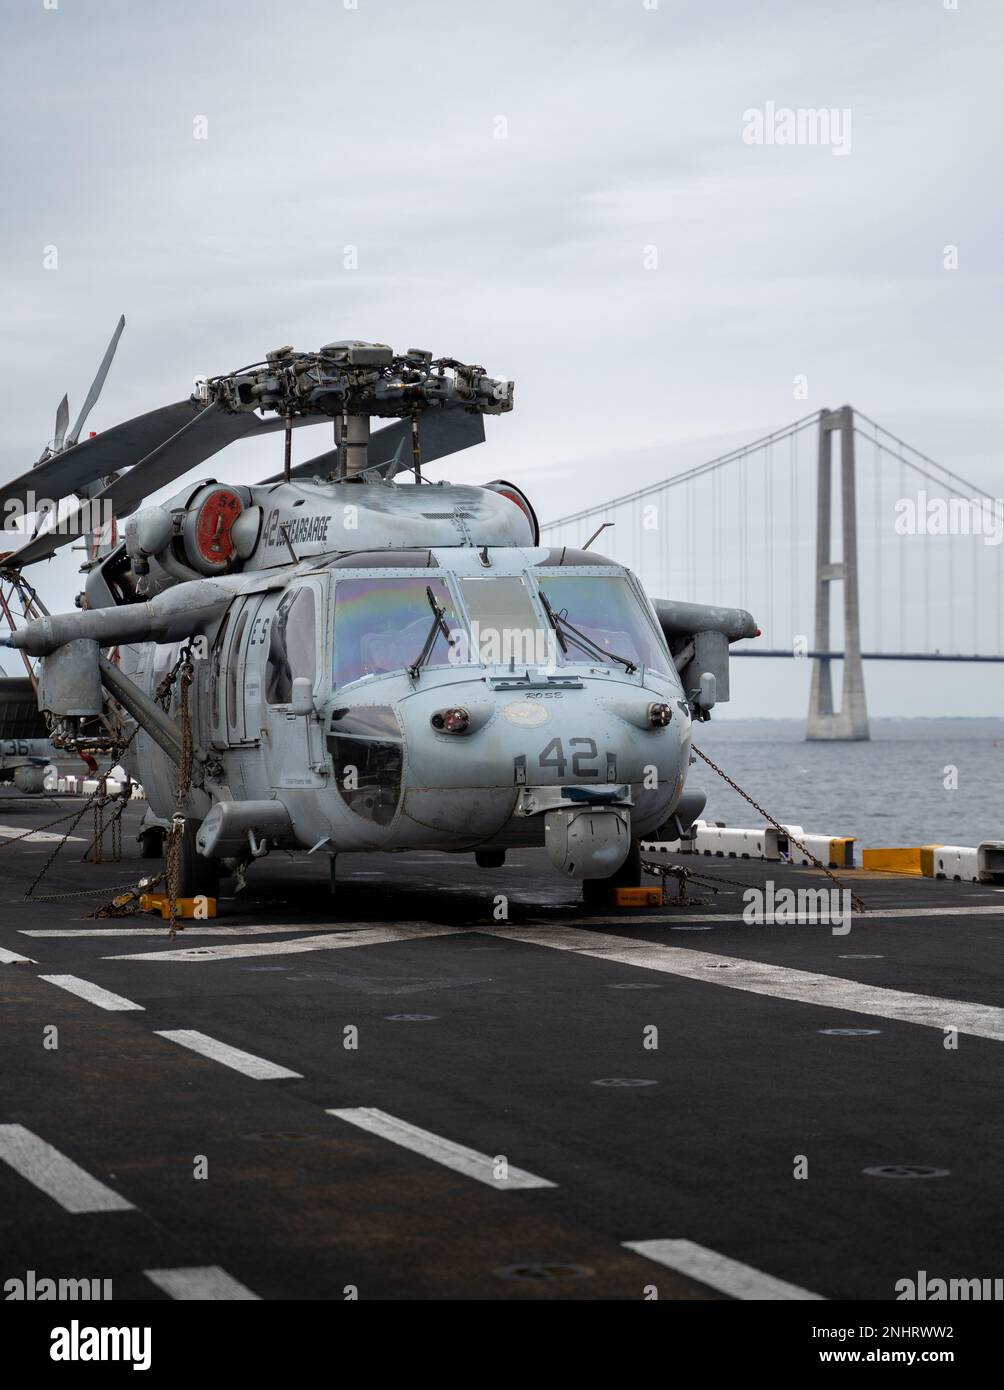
[356,378]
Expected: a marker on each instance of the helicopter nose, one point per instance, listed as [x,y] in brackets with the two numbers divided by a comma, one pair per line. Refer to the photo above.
[481,762]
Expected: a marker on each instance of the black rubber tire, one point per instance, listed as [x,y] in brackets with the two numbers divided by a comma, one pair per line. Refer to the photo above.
[151,844]
[599,892]
[200,877]
[489,858]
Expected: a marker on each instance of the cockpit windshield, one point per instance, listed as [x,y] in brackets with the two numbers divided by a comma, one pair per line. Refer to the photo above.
[600,618]
[382,624]
[395,623]
[506,629]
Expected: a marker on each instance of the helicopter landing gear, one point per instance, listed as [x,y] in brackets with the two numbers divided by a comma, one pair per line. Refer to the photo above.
[489,858]
[198,876]
[598,893]
[332,874]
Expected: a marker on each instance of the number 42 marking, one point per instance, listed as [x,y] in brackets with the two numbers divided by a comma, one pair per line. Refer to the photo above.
[553,756]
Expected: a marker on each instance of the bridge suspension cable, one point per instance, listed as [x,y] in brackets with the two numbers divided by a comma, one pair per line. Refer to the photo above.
[723,531]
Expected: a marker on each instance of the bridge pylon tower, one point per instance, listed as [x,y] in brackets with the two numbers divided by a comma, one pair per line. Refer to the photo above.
[850,722]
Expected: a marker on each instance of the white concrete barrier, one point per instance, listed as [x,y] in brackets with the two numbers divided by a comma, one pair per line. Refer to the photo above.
[734,842]
[764,842]
[957,862]
[723,842]
[835,851]
[990,857]
[90,786]
[981,863]
[74,786]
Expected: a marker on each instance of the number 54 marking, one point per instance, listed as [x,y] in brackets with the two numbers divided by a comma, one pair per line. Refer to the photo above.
[553,756]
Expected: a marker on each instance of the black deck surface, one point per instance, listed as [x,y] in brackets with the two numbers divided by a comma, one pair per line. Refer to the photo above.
[498,1044]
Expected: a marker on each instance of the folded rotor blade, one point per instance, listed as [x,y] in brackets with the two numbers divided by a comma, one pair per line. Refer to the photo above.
[211,430]
[199,436]
[106,453]
[97,383]
[440,432]
[62,420]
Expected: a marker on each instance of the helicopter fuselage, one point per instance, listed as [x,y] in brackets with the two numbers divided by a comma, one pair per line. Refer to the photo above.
[458,699]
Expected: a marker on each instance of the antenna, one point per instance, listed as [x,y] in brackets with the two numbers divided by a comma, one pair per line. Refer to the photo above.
[284,533]
[602,527]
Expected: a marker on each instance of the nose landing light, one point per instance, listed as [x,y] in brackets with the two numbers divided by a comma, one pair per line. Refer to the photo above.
[451,721]
[659,715]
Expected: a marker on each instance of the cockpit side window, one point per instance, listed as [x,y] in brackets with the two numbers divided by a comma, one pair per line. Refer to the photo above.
[291,648]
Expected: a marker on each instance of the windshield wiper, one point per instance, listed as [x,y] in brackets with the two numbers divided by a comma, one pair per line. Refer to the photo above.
[563,628]
[438,626]
[552,618]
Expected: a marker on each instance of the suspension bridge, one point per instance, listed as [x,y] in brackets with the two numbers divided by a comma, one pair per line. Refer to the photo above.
[831,520]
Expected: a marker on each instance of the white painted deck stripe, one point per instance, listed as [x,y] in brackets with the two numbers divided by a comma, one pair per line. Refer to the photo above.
[456,1156]
[188,931]
[335,941]
[200,1283]
[12,958]
[777,981]
[235,1057]
[38,837]
[94,994]
[718,1271]
[961,909]
[55,1174]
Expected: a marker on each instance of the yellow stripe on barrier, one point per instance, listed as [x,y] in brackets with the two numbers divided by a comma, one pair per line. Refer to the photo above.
[917,860]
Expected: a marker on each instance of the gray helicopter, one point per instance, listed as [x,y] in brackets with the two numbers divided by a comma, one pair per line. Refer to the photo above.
[376,665]
[25,750]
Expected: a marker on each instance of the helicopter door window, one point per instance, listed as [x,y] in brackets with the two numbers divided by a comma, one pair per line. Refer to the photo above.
[218,645]
[291,645]
[505,628]
[382,624]
[232,673]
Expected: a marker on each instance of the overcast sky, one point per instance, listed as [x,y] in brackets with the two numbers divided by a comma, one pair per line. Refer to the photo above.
[560,191]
